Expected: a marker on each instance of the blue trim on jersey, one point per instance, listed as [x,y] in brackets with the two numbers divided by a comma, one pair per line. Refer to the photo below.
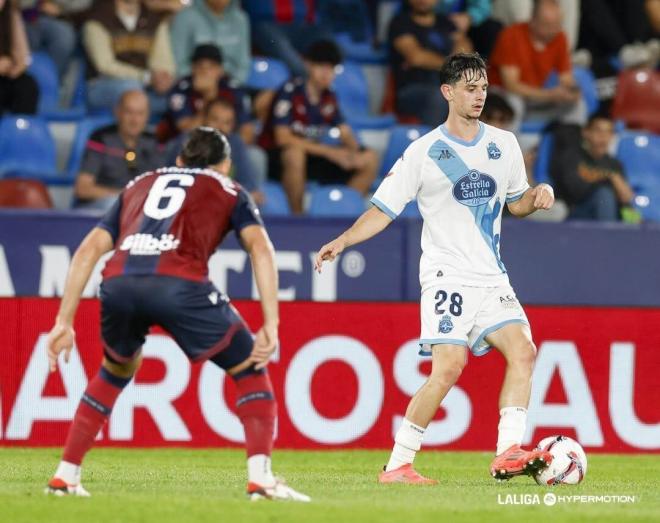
[438,341]
[384,208]
[472,143]
[515,198]
[475,346]
[484,216]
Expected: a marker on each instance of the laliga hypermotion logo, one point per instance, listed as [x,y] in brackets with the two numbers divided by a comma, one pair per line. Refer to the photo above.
[475,188]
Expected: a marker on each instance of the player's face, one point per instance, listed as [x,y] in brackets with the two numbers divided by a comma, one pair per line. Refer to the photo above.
[469,95]
[221,117]
[321,75]
[599,136]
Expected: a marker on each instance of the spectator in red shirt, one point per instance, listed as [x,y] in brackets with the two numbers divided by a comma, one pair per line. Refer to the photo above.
[306,135]
[524,57]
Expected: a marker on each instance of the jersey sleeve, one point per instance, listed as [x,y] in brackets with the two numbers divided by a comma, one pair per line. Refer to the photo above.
[245,212]
[518,183]
[283,108]
[111,220]
[401,184]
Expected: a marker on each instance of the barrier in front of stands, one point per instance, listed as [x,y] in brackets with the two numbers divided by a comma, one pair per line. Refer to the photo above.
[548,263]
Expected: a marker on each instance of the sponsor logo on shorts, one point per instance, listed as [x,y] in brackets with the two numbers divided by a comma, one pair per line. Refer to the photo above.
[446,324]
[509,302]
[148,244]
[475,188]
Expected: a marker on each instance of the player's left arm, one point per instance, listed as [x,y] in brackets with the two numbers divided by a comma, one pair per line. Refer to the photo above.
[540,197]
[62,336]
[256,242]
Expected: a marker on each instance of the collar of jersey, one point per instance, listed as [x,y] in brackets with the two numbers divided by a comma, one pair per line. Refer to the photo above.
[475,140]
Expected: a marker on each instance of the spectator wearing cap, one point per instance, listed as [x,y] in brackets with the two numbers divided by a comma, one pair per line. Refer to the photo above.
[303,114]
[128,48]
[281,27]
[524,57]
[219,22]
[420,40]
[115,154]
[207,82]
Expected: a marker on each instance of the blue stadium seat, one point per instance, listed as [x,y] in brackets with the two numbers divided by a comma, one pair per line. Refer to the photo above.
[83,131]
[353,94]
[543,155]
[647,201]
[361,52]
[335,200]
[276,203]
[27,149]
[640,155]
[400,137]
[44,71]
[267,73]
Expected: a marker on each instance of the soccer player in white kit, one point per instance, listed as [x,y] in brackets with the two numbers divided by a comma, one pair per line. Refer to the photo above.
[461,174]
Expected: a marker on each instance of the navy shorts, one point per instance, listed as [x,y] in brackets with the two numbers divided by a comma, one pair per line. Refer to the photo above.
[198,316]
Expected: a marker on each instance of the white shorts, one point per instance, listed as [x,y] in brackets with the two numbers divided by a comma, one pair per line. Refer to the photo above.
[461,315]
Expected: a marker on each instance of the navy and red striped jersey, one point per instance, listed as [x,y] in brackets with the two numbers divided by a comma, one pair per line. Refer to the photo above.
[291,107]
[170,221]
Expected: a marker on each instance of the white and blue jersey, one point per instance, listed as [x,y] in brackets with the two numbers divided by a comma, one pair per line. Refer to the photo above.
[461,188]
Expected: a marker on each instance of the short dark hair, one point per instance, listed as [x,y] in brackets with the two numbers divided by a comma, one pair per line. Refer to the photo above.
[323,52]
[457,64]
[205,146]
[599,115]
[496,103]
[223,102]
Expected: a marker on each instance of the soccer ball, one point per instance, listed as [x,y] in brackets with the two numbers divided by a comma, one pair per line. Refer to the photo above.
[569,462]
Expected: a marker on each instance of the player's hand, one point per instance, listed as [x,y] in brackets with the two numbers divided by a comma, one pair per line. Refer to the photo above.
[544,196]
[265,344]
[329,252]
[60,338]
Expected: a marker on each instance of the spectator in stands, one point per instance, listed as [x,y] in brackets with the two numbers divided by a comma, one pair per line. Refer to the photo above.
[303,113]
[281,27]
[420,41]
[47,33]
[219,22]
[128,48]
[19,92]
[220,114]
[611,28]
[166,6]
[589,179]
[472,18]
[192,94]
[117,153]
[524,57]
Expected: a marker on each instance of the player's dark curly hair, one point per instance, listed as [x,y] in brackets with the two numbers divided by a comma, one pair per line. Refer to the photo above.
[470,65]
[205,146]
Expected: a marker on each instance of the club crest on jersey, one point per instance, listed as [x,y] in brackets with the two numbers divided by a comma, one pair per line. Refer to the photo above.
[475,188]
[494,152]
[446,324]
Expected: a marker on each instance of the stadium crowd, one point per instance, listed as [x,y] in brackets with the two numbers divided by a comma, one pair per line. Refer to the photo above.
[318,97]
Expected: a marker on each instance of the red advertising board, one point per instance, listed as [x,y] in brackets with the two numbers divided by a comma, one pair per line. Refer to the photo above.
[343,379]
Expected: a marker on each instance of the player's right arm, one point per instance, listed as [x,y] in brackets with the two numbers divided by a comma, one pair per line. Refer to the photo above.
[62,336]
[369,224]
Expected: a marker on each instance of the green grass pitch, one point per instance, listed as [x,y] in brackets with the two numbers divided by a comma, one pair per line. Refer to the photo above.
[208,486]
